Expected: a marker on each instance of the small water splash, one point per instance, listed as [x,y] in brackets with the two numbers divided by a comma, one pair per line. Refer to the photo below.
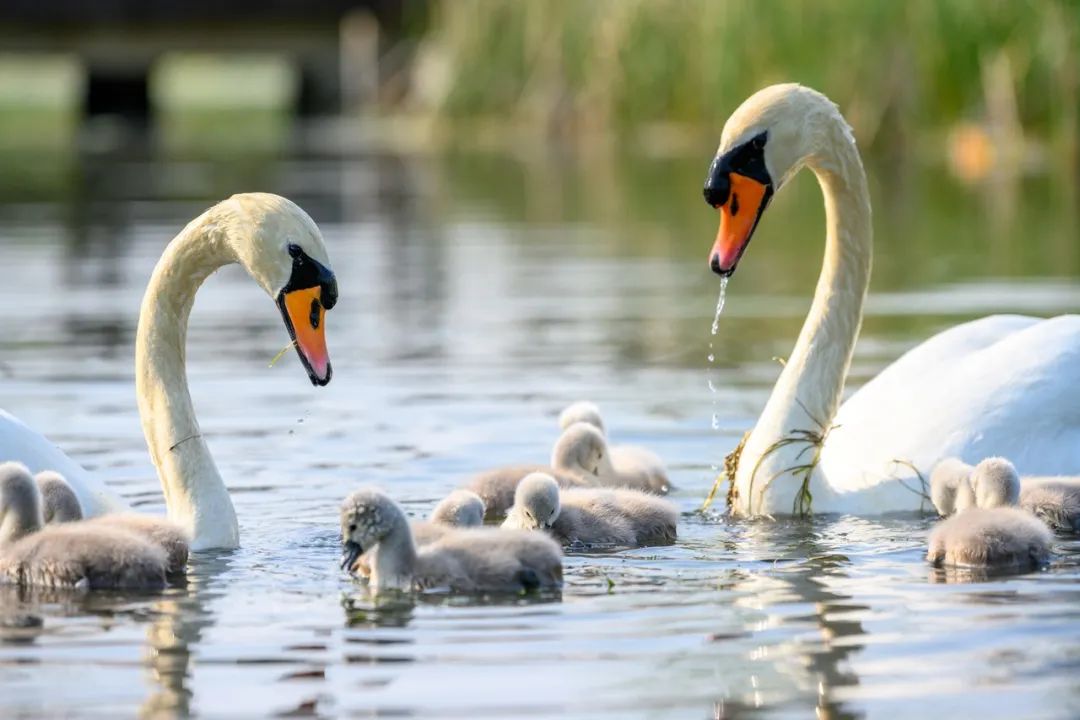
[719,305]
[711,374]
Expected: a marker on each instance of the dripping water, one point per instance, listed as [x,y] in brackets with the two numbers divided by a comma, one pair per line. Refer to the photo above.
[711,375]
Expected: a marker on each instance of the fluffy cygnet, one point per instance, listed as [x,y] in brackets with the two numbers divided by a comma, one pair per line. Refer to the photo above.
[1054,500]
[636,467]
[995,483]
[60,504]
[68,555]
[464,560]
[1005,538]
[948,481]
[582,452]
[592,516]
[496,487]
[461,508]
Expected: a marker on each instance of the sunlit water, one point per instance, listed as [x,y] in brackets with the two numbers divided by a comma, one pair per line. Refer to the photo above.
[478,297]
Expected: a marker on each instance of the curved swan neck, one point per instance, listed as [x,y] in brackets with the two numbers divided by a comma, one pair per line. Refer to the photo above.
[195,495]
[809,390]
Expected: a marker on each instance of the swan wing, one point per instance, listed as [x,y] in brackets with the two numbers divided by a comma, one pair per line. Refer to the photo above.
[20,442]
[1002,385]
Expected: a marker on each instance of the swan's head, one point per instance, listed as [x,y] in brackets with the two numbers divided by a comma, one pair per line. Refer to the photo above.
[59,502]
[946,480]
[995,483]
[581,411]
[368,516]
[582,450]
[536,501]
[283,250]
[462,508]
[20,503]
[765,141]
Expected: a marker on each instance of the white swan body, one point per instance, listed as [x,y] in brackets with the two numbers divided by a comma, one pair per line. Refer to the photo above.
[1003,385]
[20,442]
[282,250]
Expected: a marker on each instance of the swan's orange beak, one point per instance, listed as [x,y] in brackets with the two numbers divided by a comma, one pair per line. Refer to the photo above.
[739,215]
[305,317]
[303,302]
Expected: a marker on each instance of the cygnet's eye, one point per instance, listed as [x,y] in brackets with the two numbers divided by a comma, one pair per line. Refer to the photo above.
[352,527]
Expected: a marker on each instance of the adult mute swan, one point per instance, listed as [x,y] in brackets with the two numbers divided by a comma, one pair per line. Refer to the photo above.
[1002,385]
[282,250]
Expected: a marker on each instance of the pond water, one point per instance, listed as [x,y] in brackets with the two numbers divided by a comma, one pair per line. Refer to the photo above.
[479,295]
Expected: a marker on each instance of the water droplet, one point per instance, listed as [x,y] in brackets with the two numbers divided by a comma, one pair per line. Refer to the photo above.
[720,305]
[710,375]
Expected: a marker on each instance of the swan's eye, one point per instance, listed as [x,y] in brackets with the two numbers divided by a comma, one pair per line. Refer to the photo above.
[295,250]
[758,142]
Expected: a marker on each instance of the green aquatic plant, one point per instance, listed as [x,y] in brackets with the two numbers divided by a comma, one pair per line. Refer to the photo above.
[924,491]
[731,464]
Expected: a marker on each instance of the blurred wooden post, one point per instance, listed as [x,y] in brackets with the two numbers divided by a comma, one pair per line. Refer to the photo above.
[359,64]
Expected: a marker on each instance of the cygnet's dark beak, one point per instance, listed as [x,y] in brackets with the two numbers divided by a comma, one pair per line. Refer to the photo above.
[350,551]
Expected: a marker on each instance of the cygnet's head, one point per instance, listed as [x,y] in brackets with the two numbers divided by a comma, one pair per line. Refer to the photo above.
[59,502]
[283,250]
[581,449]
[368,516]
[462,508]
[947,477]
[20,503]
[536,501]
[995,483]
[581,411]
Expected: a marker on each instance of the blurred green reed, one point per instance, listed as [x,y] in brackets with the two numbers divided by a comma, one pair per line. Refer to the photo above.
[897,69]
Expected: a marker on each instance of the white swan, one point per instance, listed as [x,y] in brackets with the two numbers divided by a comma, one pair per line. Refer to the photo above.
[592,516]
[282,250]
[463,560]
[77,555]
[640,467]
[1003,385]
